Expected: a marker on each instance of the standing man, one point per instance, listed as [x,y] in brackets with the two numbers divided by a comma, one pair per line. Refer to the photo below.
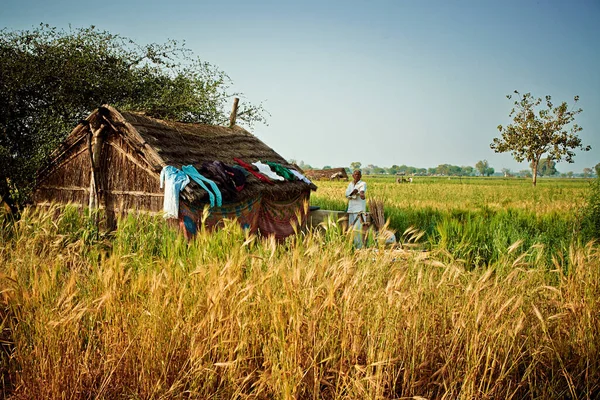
[355,193]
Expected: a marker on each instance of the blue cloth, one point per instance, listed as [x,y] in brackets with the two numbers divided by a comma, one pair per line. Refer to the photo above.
[193,173]
[174,181]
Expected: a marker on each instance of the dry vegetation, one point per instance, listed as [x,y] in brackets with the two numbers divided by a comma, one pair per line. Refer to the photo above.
[146,315]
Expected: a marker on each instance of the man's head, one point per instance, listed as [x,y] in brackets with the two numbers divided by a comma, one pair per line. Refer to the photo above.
[356,175]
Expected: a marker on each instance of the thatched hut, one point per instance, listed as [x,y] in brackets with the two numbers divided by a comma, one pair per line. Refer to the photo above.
[328,174]
[113,161]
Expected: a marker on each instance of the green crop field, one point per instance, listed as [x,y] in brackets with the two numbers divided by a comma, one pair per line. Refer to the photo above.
[477,219]
[498,299]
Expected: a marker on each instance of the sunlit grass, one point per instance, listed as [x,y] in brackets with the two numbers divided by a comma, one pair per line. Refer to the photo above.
[465,193]
[144,314]
[476,219]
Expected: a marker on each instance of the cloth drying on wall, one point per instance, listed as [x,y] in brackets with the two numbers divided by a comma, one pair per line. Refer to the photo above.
[174,181]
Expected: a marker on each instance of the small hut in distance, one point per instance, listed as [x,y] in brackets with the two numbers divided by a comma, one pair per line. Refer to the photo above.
[113,161]
[332,174]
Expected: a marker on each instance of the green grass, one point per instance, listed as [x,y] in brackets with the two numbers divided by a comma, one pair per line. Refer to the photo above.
[477,219]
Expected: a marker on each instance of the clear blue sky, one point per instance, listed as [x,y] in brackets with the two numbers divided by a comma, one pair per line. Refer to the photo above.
[420,83]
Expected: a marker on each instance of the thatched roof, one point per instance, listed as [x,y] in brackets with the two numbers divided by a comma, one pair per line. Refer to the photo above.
[162,143]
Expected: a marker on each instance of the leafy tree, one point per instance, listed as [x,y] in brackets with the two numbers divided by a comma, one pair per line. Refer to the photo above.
[534,132]
[355,165]
[393,169]
[455,170]
[327,167]
[597,169]
[546,167]
[467,170]
[443,169]
[50,79]
[587,172]
[482,166]
[489,171]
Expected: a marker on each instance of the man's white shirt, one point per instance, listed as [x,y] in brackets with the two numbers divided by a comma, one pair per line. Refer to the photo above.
[355,203]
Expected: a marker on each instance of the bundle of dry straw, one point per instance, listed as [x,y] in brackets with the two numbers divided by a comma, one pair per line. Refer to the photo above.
[376,211]
[381,225]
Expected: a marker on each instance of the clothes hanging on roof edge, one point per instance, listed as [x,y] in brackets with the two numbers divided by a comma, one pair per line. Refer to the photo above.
[300,176]
[174,181]
[249,168]
[267,171]
[216,171]
[282,171]
[237,176]
[241,169]
[213,195]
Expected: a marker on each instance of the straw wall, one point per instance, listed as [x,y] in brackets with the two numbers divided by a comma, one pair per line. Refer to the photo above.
[69,182]
[128,183]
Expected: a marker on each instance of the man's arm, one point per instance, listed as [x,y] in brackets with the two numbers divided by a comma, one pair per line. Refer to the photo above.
[362,189]
[350,191]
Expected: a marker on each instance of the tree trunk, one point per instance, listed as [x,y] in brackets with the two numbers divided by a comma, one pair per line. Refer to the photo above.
[535,168]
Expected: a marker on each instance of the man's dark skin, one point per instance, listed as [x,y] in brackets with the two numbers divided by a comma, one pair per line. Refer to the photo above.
[356,175]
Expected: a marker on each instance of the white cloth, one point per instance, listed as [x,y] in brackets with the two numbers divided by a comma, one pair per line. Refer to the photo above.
[355,203]
[300,176]
[173,181]
[267,171]
[356,222]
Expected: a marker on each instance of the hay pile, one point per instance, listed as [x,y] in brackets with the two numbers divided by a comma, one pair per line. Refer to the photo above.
[377,214]
[376,207]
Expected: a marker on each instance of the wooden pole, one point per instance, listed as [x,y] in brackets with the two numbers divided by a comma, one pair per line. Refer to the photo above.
[234,111]
[92,199]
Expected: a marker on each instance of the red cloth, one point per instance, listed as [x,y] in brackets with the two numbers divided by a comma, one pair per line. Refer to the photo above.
[282,218]
[253,172]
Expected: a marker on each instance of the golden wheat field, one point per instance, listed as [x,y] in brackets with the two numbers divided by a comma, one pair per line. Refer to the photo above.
[144,314]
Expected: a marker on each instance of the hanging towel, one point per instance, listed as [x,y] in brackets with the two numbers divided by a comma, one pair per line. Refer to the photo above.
[267,171]
[249,168]
[174,181]
[300,176]
[193,173]
[281,171]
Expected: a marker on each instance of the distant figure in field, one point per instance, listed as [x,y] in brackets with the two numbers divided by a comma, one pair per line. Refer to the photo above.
[357,206]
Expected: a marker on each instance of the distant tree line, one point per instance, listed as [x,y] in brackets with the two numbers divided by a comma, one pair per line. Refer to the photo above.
[546,168]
